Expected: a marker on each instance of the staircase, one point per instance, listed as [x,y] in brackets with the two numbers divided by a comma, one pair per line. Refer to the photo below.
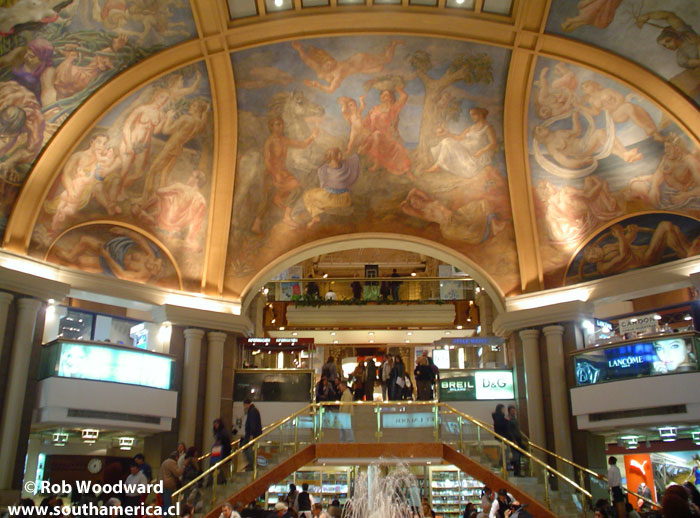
[372,430]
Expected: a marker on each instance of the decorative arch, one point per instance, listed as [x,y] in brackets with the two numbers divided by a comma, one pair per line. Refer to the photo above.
[373,240]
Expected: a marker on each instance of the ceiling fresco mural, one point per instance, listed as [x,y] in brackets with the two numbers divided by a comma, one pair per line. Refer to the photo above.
[147,164]
[599,152]
[117,251]
[53,57]
[371,134]
[633,243]
[660,35]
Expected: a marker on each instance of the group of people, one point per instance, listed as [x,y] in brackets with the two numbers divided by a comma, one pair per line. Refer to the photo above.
[496,505]
[295,504]
[507,426]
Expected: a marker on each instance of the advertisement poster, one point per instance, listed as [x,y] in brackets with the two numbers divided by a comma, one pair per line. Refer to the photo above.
[640,477]
[289,289]
[674,354]
[476,385]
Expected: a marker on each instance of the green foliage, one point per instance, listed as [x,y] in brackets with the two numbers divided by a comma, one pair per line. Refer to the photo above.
[473,68]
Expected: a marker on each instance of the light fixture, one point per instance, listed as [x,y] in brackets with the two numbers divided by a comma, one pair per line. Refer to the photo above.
[409,333]
[588,326]
[413,274]
[335,341]
[633,320]
[478,289]
[125,443]
[332,333]
[266,291]
[631,441]
[60,439]
[371,341]
[407,341]
[325,275]
[90,435]
[657,317]
[460,327]
[278,3]
[447,332]
[668,434]
[294,333]
[696,436]
[52,302]
[281,328]
[371,333]
[273,321]
[687,317]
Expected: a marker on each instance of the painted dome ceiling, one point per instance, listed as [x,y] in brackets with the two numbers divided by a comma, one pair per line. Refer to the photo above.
[166,143]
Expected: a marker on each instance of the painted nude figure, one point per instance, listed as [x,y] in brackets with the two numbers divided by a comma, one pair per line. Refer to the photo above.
[333,72]
[280,187]
[352,114]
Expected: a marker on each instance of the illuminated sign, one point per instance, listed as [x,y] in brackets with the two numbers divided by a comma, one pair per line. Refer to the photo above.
[664,355]
[103,363]
[494,385]
[406,420]
[475,341]
[476,385]
[277,344]
[441,358]
[639,324]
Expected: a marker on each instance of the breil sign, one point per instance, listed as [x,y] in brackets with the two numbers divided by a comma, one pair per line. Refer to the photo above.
[639,324]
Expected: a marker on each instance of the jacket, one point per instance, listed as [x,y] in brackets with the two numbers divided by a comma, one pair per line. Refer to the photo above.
[253,423]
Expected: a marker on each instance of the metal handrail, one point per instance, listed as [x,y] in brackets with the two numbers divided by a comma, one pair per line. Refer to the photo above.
[518,448]
[266,431]
[589,471]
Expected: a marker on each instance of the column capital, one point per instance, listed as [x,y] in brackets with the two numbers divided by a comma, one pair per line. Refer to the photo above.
[185,316]
[516,318]
[6,298]
[193,333]
[529,334]
[216,336]
[555,330]
[29,303]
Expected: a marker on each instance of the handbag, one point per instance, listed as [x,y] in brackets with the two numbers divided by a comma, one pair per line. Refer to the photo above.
[216,451]
[401,382]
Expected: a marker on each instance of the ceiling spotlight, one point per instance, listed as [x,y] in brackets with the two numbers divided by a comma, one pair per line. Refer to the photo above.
[60,439]
[125,443]
[460,327]
[687,317]
[657,317]
[696,437]
[371,341]
[460,2]
[409,333]
[273,321]
[631,441]
[332,333]
[266,291]
[294,333]
[668,434]
[478,289]
[407,341]
[413,274]
[447,332]
[52,302]
[371,333]
[90,435]
[281,328]
[325,275]
[335,341]
[633,320]
[278,3]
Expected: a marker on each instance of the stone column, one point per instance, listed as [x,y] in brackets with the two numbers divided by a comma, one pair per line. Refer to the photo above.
[212,404]
[533,385]
[559,394]
[27,310]
[5,299]
[190,385]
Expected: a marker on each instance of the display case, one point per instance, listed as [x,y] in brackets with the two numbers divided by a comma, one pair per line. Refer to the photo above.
[451,490]
[325,485]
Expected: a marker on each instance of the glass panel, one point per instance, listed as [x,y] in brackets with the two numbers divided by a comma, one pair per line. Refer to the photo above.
[464,4]
[423,2]
[262,385]
[314,3]
[497,6]
[351,2]
[242,8]
[273,6]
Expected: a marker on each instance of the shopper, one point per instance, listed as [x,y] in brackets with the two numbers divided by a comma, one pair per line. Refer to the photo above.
[181,451]
[370,379]
[226,510]
[500,505]
[291,498]
[517,510]
[615,487]
[253,428]
[170,475]
[398,380]
[386,377]
[517,437]
[136,482]
[318,512]
[346,434]
[190,471]
[322,390]
[304,502]
[334,510]
[486,501]
[330,370]
[395,285]
[675,503]
[140,461]
[358,387]
[356,287]
[424,379]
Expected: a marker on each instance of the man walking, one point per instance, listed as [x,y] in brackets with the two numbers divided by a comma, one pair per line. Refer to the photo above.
[395,285]
[517,437]
[253,428]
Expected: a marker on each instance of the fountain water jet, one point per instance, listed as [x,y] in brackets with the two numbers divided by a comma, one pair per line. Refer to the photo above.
[394,495]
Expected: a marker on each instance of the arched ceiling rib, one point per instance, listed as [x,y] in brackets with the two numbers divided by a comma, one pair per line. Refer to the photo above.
[523,34]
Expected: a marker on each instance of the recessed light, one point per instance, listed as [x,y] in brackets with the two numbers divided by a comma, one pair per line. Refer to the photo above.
[413,274]
[335,341]
[294,333]
[460,327]
[657,317]
[371,333]
[281,328]
[409,333]
[687,317]
[407,341]
[447,332]
[325,275]
[332,333]
[371,341]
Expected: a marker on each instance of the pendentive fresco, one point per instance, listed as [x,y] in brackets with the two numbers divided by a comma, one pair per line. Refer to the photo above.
[52,57]
[661,35]
[371,134]
[146,164]
[599,153]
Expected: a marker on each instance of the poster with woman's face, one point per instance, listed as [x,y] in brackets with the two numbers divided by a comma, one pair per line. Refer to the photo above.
[673,354]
